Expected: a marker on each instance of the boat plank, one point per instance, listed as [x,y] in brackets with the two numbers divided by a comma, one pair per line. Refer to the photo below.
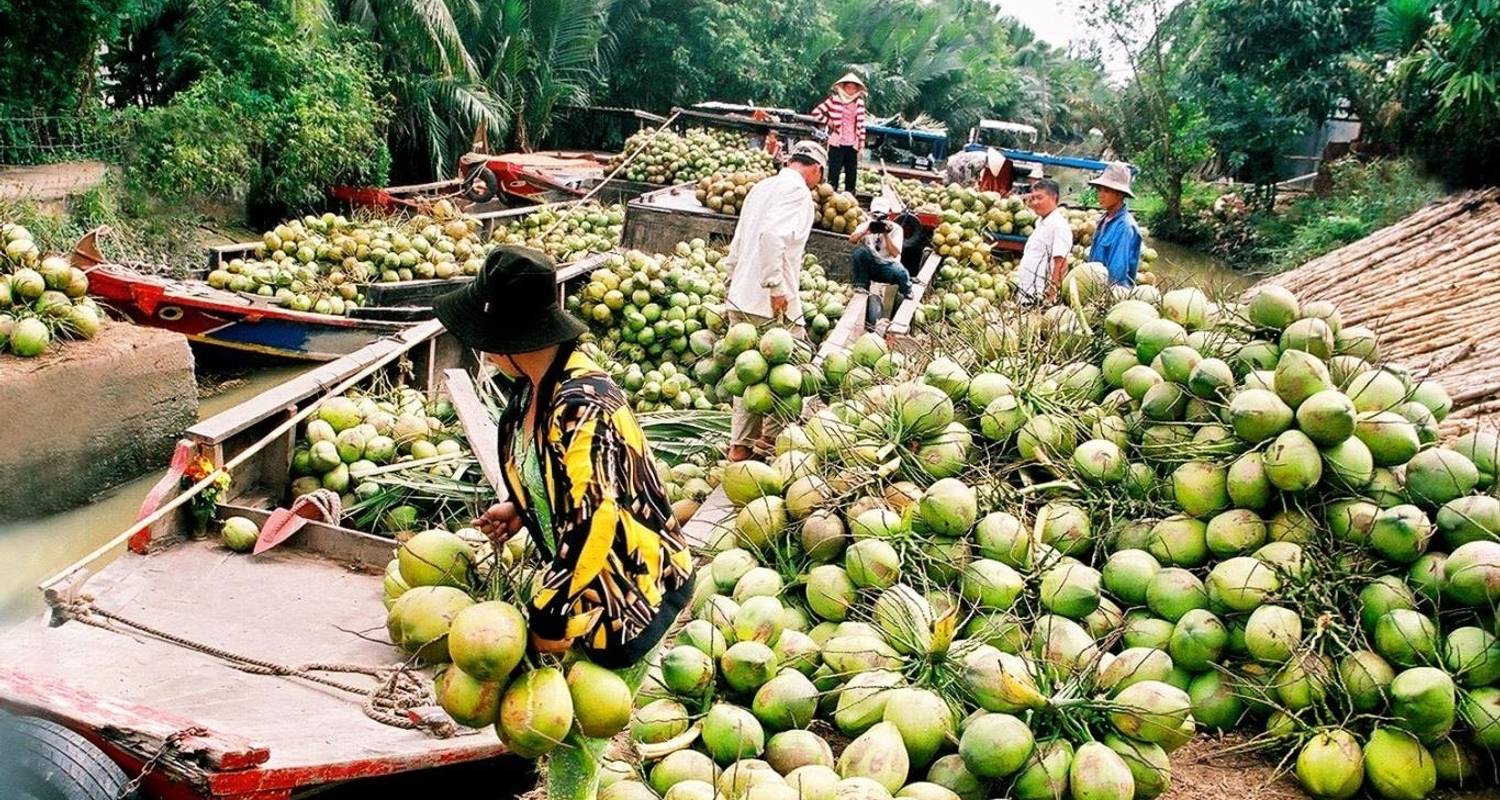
[479,426]
[287,605]
[901,322]
[713,516]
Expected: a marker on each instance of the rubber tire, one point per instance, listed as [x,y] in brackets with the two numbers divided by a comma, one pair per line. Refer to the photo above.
[483,186]
[47,761]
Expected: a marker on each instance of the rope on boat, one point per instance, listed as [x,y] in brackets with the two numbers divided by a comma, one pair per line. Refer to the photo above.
[400,698]
[624,162]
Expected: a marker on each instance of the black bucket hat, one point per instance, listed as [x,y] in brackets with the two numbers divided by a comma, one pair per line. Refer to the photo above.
[511,307]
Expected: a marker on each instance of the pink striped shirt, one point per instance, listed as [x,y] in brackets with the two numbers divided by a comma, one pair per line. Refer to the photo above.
[845,120]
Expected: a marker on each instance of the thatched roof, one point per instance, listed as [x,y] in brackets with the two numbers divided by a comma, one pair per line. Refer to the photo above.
[1429,286]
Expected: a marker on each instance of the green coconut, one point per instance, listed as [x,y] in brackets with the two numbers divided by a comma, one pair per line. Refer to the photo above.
[682,766]
[990,584]
[1241,583]
[924,721]
[1480,710]
[687,670]
[487,640]
[1066,527]
[816,782]
[1247,483]
[1211,379]
[1472,574]
[1349,464]
[1164,402]
[1216,703]
[995,745]
[1383,594]
[1304,680]
[1472,655]
[1469,519]
[1235,532]
[830,592]
[1351,520]
[1365,677]
[985,387]
[1273,633]
[1439,475]
[1271,306]
[1311,335]
[1099,773]
[1397,766]
[744,481]
[626,790]
[1406,638]
[758,619]
[793,749]
[1156,335]
[1071,590]
[1257,415]
[1045,775]
[1257,354]
[1426,575]
[1100,461]
[1424,702]
[1392,438]
[601,700]
[1401,534]
[1376,390]
[1327,417]
[862,701]
[730,733]
[1003,418]
[1300,375]
[1198,640]
[1127,573]
[872,564]
[1138,380]
[1149,765]
[239,534]
[1133,665]
[1201,488]
[659,720]
[1180,541]
[761,521]
[1173,591]
[1482,448]
[436,558]
[469,701]
[799,651]
[1144,630]
[420,618]
[1330,765]
[788,700]
[948,508]
[1150,711]
[536,712]
[1114,365]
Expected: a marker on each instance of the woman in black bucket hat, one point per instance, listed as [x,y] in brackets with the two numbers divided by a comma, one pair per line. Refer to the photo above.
[577,467]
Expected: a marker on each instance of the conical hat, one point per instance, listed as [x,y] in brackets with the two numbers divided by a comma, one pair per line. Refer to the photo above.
[850,77]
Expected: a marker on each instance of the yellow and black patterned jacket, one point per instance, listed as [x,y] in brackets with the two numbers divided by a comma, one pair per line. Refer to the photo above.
[619,570]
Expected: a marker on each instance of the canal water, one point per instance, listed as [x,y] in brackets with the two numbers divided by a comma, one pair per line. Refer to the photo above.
[39,547]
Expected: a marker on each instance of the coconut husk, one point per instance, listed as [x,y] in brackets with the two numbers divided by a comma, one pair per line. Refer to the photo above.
[1429,286]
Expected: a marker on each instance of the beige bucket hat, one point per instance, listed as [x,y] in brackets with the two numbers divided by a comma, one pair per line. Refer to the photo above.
[1116,175]
[850,77]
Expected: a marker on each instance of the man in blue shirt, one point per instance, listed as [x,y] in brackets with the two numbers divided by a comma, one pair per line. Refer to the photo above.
[1117,241]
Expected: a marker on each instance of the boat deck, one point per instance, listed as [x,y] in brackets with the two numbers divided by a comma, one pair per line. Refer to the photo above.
[288,606]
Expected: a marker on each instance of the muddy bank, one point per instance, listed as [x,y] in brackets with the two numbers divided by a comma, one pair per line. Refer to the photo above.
[90,416]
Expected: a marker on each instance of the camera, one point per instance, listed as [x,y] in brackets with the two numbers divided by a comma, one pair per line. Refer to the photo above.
[879,223]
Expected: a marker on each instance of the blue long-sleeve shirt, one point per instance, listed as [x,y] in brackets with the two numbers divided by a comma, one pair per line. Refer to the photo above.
[1117,245]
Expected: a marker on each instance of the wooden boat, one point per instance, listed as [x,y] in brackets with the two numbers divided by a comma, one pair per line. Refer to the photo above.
[223,724]
[231,320]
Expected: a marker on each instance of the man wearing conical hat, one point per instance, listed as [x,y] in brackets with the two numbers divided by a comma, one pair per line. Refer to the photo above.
[1117,241]
[843,112]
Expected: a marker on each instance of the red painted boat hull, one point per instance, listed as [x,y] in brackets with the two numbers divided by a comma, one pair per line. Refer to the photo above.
[224,319]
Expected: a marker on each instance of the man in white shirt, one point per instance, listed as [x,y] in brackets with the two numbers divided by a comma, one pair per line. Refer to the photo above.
[765,266]
[1045,258]
[878,257]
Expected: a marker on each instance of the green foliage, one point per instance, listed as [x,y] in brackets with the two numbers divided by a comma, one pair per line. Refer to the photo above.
[48,52]
[276,119]
[1363,197]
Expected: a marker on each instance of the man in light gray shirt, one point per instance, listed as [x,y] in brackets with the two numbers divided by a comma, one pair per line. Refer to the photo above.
[1045,259]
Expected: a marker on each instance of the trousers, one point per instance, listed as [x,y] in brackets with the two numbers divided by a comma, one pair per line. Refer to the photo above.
[865,267]
[843,160]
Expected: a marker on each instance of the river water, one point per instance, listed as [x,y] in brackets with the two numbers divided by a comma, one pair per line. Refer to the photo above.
[37,548]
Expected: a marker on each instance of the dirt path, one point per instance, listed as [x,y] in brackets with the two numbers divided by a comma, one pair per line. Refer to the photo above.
[51,182]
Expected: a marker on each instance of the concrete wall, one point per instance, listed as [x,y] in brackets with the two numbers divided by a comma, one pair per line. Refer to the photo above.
[89,416]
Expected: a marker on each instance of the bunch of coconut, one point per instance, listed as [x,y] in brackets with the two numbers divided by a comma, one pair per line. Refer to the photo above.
[666,157]
[319,263]
[857,639]
[834,210]
[397,458]
[567,234]
[725,193]
[42,299]
[769,368]
[1330,571]
[455,602]
[688,483]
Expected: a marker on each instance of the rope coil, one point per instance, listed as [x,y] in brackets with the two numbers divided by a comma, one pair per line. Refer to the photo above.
[400,697]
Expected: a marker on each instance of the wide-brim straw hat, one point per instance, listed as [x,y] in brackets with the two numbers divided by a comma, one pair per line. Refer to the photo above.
[511,307]
[1116,175]
[850,77]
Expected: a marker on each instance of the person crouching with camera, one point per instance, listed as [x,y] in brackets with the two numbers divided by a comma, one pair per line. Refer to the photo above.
[878,257]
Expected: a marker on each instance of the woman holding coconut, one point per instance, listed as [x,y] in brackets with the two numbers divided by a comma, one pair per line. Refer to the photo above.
[578,472]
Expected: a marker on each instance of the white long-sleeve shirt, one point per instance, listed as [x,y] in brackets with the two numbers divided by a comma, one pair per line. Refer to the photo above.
[765,257]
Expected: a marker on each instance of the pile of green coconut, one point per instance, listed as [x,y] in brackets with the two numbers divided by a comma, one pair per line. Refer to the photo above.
[43,299]
[1035,566]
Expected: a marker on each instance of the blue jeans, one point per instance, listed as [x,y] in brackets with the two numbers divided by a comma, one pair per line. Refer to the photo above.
[866,267]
